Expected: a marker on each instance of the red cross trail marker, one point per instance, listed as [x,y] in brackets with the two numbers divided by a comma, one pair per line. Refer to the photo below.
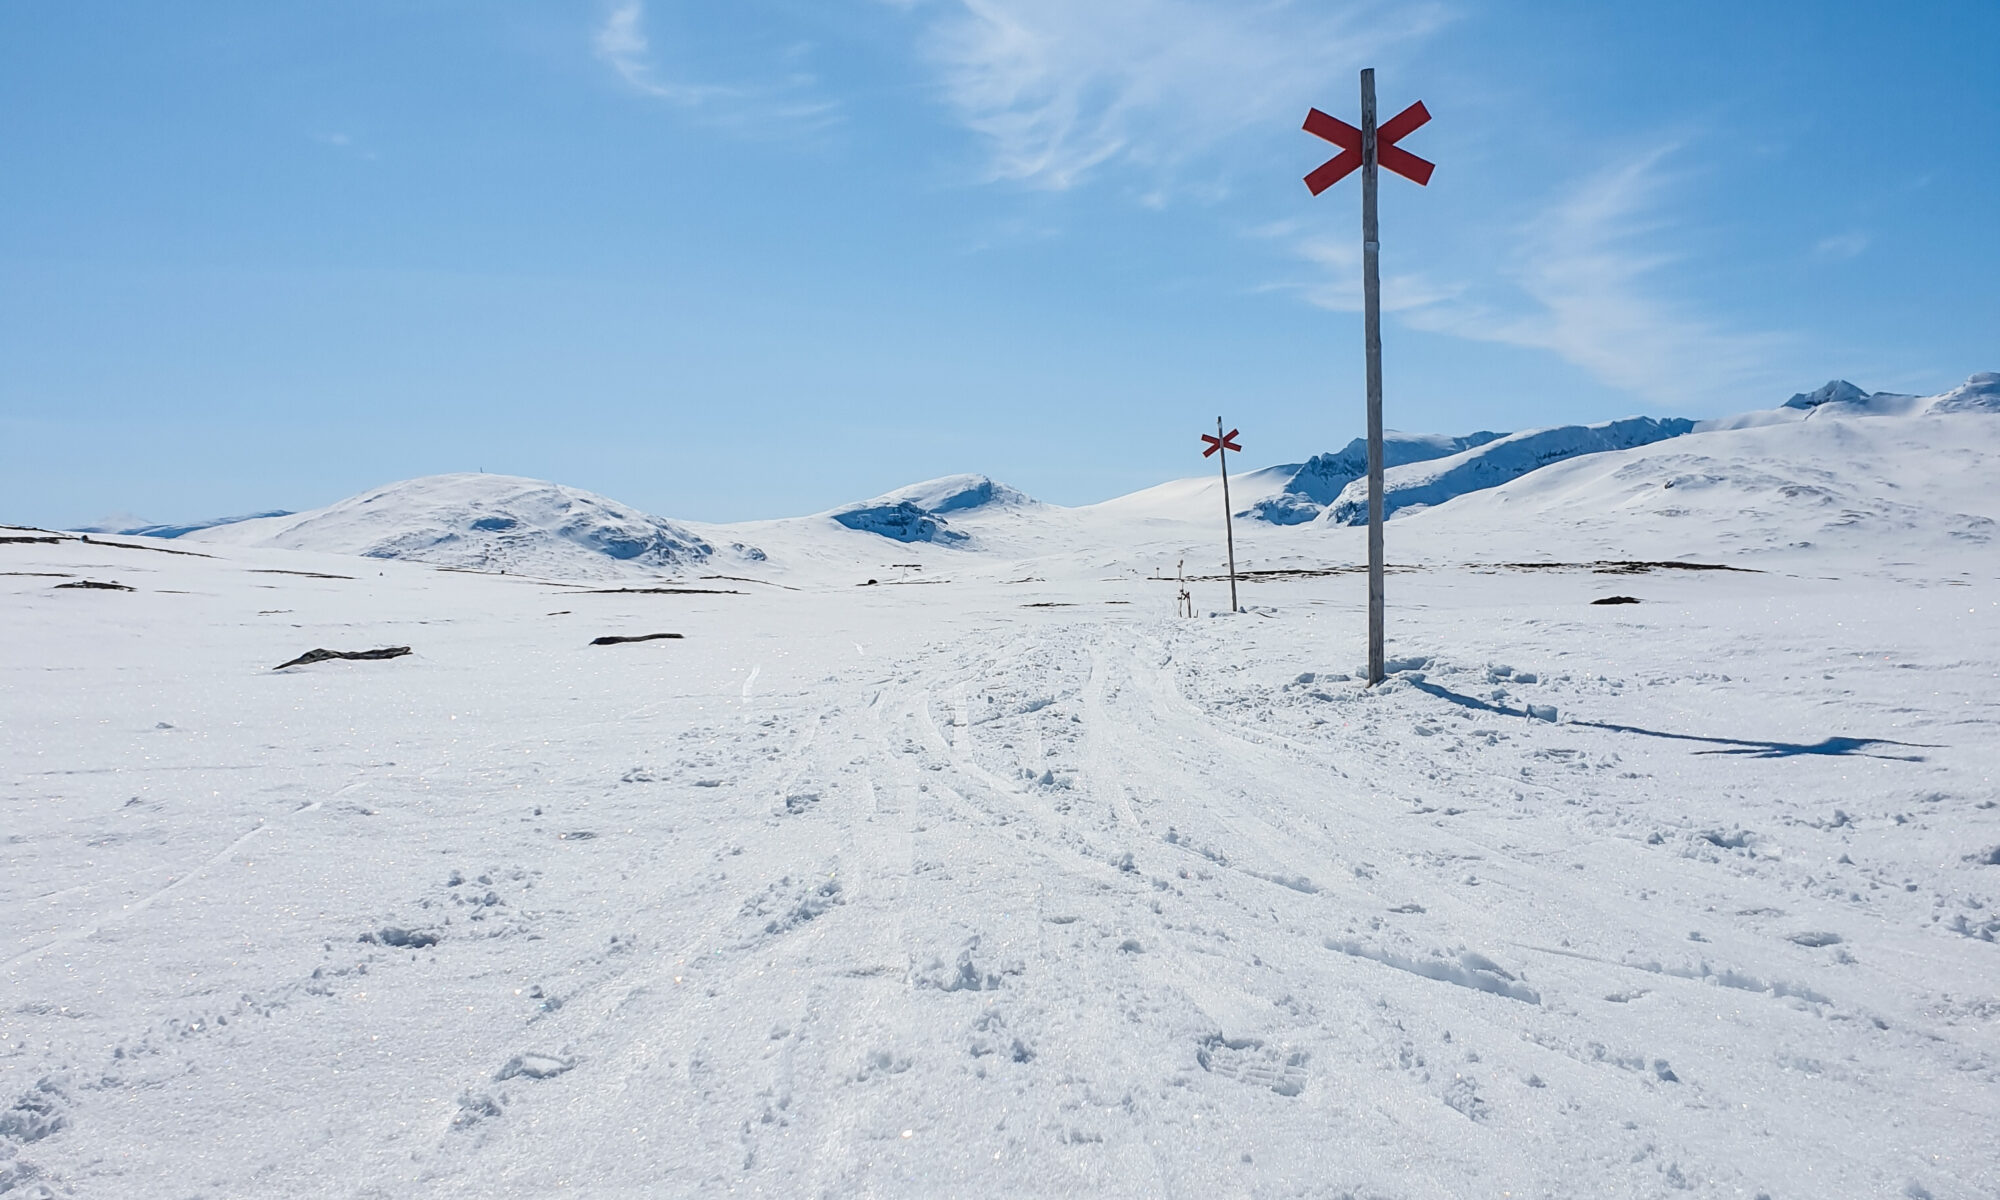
[1221,444]
[1364,149]
[1388,153]
[1226,442]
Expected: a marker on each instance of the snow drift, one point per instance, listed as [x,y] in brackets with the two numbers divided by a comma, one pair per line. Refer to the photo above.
[487,522]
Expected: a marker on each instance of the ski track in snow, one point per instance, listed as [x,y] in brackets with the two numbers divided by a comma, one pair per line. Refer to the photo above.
[1015,901]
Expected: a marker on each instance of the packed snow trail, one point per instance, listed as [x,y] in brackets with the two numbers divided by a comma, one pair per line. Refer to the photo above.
[1014,900]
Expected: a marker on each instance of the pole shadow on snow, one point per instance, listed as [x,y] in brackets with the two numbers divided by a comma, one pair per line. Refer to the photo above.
[1745,747]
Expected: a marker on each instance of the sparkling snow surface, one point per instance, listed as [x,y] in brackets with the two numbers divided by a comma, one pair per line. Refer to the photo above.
[997,879]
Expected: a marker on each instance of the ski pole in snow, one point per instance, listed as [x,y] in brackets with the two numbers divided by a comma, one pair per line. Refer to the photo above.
[1221,444]
[1364,149]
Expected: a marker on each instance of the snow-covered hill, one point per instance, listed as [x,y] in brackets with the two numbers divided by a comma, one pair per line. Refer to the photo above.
[1319,480]
[486,522]
[916,513]
[505,524]
[135,527]
[1883,490]
[1840,400]
[1489,464]
[1017,884]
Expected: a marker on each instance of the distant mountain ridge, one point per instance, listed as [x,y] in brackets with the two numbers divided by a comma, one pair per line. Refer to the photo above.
[1320,480]
[1493,463]
[915,513]
[506,523]
[127,529]
[1838,399]
[486,522]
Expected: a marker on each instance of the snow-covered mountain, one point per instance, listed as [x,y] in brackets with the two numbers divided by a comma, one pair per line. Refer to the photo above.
[916,513]
[486,522]
[1838,399]
[1018,884]
[502,523]
[1980,393]
[134,527]
[1318,481]
[1884,489]
[1495,462]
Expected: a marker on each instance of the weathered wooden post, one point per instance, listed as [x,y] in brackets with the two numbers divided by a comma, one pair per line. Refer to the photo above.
[1221,444]
[1364,149]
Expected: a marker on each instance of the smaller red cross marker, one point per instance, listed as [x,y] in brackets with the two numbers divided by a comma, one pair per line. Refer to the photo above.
[1226,442]
[1348,138]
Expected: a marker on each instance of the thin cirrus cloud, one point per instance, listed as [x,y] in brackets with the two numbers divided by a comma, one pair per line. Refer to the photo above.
[1842,245]
[1059,89]
[1060,93]
[621,43]
[1336,281]
[1587,273]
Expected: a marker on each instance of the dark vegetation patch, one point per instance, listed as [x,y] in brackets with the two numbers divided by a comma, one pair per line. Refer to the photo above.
[306,574]
[394,935]
[614,639]
[1275,574]
[745,579]
[1617,600]
[92,583]
[1616,567]
[155,549]
[313,656]
[664,591]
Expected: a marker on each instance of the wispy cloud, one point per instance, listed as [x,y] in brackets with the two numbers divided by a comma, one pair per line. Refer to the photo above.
[1842,245]
[1335,282]
[1590,268]
[1058,89]
[345,143]
[620,42]
[1586,280]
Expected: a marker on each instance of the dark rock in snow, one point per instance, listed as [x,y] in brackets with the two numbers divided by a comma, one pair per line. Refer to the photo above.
[900,522]
[413,939]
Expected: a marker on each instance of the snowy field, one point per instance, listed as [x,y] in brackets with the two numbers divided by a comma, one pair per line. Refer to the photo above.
[996,878]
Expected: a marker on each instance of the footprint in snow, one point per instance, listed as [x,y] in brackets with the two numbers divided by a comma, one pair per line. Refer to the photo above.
[534,1066]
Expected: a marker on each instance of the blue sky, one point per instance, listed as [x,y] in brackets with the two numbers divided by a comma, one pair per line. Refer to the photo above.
[728,261]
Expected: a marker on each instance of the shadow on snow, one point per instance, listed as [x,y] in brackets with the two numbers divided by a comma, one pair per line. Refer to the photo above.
[1746,747]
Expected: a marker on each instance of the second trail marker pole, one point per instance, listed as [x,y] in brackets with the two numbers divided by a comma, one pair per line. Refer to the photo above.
[1221,444]
[1364,149]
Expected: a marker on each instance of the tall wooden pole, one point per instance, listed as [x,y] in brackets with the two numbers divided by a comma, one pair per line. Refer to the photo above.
[1371,290]
[1228,521]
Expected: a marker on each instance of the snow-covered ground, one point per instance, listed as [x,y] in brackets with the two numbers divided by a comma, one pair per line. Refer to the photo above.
[995,878]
